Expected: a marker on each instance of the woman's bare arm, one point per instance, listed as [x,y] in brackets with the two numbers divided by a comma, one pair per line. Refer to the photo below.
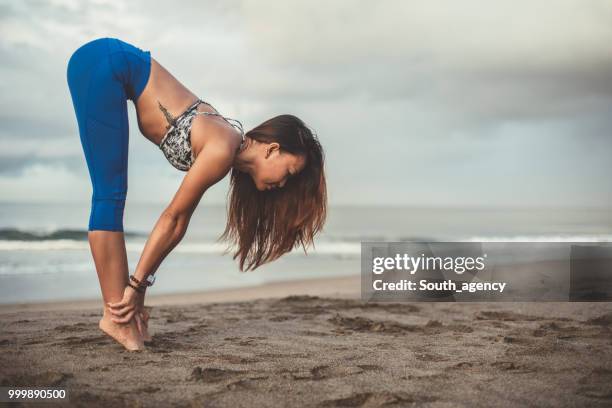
[211,165]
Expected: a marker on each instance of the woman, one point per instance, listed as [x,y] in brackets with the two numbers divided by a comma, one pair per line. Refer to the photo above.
[278,192]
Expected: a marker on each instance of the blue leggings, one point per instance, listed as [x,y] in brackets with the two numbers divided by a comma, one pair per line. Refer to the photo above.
[102,75]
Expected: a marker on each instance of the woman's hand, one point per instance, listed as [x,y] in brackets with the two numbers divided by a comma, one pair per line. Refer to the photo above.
[131,304]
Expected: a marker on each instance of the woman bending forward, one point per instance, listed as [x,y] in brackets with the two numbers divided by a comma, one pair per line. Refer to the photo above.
[278,194]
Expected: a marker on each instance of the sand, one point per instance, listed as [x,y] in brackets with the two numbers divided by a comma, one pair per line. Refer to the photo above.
[315,343]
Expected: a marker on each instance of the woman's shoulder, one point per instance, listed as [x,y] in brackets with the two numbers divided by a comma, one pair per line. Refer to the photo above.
[217,133]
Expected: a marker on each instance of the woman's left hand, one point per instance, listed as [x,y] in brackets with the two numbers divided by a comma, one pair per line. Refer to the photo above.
[125,309]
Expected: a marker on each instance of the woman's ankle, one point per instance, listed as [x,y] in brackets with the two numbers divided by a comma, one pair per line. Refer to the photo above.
[106,311]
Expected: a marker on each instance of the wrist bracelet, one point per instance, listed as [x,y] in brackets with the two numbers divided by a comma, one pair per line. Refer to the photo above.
[135,280]
[137,288]
[144,283]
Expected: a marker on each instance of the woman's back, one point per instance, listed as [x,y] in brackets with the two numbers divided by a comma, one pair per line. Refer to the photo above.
[163,88]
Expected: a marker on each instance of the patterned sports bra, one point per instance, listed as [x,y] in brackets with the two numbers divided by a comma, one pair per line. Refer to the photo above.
[176,143]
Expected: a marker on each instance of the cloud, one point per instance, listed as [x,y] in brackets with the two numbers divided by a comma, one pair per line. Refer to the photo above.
[504,103]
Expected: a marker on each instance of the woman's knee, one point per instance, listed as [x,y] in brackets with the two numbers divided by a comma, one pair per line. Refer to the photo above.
[106,214]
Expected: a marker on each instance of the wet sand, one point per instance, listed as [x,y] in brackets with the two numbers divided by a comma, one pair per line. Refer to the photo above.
[315,343]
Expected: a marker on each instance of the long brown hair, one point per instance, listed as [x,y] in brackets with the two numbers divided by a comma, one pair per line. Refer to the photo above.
[267,224]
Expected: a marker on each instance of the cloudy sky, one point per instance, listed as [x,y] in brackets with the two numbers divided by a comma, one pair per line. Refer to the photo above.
[500,103]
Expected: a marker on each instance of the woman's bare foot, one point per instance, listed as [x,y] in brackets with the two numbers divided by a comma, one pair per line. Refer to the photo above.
[144,315]
[125,333]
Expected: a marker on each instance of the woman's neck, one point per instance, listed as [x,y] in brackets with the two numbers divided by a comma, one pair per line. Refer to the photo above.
[243,161]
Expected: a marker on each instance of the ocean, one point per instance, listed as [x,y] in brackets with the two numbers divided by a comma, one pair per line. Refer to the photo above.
[45,255]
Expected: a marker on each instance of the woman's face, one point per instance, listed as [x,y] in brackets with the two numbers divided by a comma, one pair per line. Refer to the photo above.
[274,167]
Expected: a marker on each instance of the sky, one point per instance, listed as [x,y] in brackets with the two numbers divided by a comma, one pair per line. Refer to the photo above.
[424,103]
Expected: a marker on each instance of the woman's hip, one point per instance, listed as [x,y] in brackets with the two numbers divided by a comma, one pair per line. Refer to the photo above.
[105,60]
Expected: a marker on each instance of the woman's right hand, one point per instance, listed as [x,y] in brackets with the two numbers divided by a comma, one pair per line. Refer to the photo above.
[124,310]
[131,306]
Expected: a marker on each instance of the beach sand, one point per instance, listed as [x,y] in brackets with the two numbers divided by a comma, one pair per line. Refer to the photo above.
[315,343]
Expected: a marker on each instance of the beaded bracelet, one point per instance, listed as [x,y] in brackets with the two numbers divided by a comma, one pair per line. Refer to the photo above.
[140,289]
[137,282]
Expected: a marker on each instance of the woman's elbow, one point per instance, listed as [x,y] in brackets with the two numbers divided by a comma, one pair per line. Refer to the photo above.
[177,223]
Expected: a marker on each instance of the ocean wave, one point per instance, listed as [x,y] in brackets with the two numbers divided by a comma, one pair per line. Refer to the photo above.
[16,234]
[541,238]
[328,247]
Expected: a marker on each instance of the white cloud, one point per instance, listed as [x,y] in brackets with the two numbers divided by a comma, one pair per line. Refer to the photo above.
[41,182]
[422,95]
